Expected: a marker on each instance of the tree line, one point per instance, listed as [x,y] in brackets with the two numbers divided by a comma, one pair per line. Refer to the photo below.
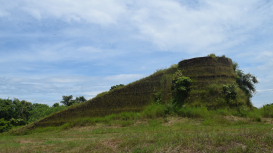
[16,113]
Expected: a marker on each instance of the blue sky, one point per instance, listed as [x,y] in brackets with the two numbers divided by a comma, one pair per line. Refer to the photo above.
[51,48]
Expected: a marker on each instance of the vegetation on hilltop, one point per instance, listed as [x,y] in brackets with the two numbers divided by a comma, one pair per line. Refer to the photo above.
[68,100]
[191,88]
[186,111]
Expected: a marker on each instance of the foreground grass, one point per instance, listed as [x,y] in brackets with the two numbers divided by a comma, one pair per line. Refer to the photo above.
[165,134]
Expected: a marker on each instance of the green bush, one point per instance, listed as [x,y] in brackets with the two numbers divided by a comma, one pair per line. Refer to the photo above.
[267,111]
[213,56]
[181,88]
[229,91]
[56,105]
[4,125]
[17,122]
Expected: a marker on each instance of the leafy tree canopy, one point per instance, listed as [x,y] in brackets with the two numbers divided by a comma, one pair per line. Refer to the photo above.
[68,100]
[245,81]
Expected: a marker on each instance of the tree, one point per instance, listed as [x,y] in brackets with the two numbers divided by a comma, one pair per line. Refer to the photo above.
[7,110]
[56,105]
[67,100]
[246,82]
[80,99]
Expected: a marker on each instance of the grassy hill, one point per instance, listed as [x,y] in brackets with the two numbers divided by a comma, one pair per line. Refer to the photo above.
[209,74]
[143,117]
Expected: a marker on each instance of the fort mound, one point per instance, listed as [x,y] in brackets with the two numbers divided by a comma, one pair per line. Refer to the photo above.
[208,75]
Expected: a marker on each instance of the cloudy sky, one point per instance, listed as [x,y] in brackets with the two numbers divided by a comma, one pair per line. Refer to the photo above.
[51,48]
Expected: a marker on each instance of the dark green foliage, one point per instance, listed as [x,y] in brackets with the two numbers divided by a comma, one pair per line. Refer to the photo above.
[181,88]
[245,81]
[80,99]
[235,66]
[4,125]
[56,105]
[7,109]
[229,91]
[116,86]
[267,110]
[269,104]
[18,122]
[42,110]
[15,109]
[67,100]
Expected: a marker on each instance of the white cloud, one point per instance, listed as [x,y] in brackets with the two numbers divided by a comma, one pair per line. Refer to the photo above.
[169,24]
[101,12]
[59,52]
[265,90]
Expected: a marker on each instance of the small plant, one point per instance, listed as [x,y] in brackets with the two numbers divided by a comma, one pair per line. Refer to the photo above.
[116,86]
[213,56]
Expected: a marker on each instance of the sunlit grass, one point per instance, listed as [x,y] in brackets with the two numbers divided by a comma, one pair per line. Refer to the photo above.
[162,134]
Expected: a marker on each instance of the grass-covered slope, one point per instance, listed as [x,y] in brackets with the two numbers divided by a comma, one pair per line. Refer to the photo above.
[132,97]
[208,75]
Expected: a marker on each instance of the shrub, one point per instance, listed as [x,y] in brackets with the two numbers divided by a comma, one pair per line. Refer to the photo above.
[245,81]
[267,111]
[230,94]
[181,88]
[5,125]
[213,56]
[116,86]
[17,122]
[56,105]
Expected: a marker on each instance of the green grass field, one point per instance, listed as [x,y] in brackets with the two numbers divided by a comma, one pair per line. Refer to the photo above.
[149,131]
[145,116]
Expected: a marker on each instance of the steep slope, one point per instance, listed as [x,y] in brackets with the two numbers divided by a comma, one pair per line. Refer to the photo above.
[208,75]
[132,97]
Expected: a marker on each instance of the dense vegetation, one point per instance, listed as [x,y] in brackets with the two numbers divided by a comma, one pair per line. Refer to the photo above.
[18,113]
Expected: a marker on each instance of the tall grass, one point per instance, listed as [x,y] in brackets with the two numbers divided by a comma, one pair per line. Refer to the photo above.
[154,111]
